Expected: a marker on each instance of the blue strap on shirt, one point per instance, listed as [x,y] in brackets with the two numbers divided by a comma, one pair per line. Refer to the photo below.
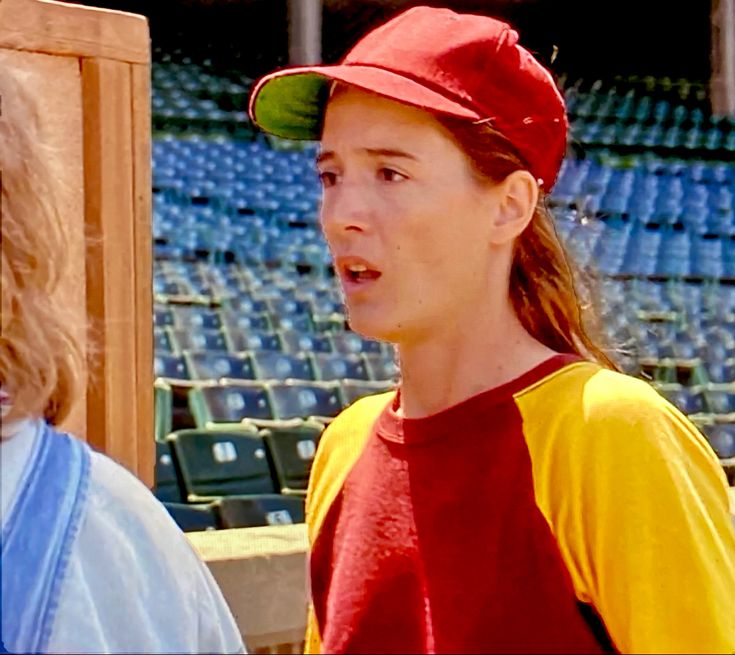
[38,537]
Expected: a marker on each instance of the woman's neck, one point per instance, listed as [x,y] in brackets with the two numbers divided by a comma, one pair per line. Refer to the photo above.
[458,361]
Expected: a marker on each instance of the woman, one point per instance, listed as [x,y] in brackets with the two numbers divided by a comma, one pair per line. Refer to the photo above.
[516,493]
[91,561]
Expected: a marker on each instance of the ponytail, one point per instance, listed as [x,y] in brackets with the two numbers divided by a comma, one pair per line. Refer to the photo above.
[544,282]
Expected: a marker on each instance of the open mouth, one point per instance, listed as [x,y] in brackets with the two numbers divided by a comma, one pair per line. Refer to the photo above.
[355,271]
[360,273]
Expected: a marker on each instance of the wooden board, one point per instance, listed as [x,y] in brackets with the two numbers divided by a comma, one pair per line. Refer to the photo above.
[89,70]
[74,30]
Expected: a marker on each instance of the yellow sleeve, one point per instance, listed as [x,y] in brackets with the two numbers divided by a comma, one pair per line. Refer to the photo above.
[339,447]
[647,530]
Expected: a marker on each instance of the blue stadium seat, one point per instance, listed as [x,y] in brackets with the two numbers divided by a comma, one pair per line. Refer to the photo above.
[162,342]
[296,399]
[200,339]
[353,390]
[382,367]
[191,316]
[230,403]
[720,400]
[294,341]
[721,437]
[333,366]
[689,400]
[257,341]
[270,365]
[170,366]
[209,365]
[162,316]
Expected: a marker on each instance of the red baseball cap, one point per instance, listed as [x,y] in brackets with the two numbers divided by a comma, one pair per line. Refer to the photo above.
[460,65]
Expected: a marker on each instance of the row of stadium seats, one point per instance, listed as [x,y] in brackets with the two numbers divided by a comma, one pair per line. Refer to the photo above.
[232,401]
[201,465]
[190,97]
[657,218]
[274,365]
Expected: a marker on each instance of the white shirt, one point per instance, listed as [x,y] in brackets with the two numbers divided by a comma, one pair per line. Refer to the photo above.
[134,584]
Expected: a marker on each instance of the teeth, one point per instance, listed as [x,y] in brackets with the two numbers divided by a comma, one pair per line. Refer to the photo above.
[357,268]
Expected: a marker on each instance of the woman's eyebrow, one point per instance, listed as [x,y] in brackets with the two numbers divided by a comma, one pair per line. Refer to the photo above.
[373,152]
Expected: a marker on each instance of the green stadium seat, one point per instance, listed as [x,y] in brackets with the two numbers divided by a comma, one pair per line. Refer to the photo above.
[193,517]
[217,463]
[292,448]
[260,510]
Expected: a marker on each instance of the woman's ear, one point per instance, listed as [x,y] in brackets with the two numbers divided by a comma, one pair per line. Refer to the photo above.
[515,203]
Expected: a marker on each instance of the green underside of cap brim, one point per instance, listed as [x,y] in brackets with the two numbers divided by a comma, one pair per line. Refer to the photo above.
[291,106]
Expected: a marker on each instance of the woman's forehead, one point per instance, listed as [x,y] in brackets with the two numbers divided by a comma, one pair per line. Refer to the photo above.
[355,115]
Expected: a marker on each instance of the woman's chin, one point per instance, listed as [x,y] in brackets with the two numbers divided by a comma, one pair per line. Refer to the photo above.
[370,327]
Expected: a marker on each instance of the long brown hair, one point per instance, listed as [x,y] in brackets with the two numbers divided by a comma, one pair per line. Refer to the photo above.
[552,297]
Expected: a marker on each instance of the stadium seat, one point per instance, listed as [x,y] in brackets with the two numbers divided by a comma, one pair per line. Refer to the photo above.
[193,517]
[689,400]
[292,448]
[216,365]
[296,342]
[217,463]
[162,409]
[230,403]
[256,341]
[170,366]
[382,367]
[245,322]
[199,339]
[260,510]
[297,322]
[347,343]
[333,366]
[166,483]
[270,365]
[162,316]
[352,390]
[721,371]
[721,437]
[296,399]
[192,316]
[721,401]
[162,342]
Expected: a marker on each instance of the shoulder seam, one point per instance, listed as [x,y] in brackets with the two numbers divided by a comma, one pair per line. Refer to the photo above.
[551,376]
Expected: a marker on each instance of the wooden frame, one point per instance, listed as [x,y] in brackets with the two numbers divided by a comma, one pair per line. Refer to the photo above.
[113,53]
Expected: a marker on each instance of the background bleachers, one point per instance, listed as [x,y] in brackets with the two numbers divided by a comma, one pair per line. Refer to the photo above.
[254,355]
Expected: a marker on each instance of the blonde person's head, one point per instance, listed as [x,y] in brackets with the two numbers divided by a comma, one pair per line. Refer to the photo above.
[41,357]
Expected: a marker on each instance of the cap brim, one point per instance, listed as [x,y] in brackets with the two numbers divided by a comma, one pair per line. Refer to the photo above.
[290,103]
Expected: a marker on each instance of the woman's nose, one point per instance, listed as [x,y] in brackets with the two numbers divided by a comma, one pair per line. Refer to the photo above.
[344,209]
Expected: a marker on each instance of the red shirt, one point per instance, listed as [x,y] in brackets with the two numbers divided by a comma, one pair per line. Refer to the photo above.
[435,542]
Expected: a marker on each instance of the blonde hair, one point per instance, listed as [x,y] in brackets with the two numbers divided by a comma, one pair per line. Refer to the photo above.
[41,356]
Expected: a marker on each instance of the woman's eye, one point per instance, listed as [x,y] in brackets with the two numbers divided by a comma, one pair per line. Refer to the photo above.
[389,175]
[327,178]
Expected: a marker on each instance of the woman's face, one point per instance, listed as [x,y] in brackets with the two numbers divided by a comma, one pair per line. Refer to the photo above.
[408,224]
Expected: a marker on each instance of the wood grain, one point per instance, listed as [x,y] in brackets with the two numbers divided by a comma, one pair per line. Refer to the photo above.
[73,30]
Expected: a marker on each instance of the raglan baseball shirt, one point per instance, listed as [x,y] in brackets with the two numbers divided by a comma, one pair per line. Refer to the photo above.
[572,510]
